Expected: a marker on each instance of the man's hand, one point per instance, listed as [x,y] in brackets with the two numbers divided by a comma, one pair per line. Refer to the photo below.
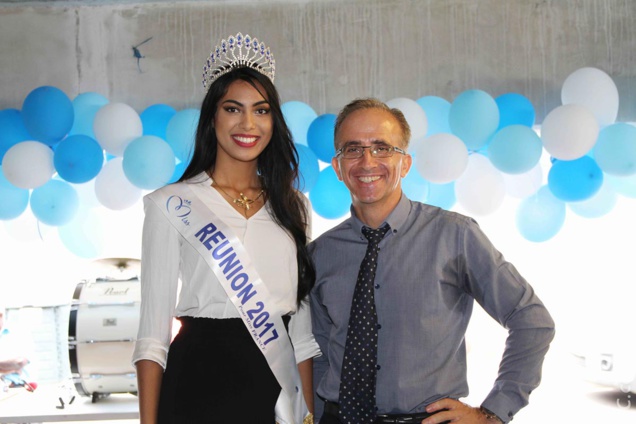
[456,412]
[12,365]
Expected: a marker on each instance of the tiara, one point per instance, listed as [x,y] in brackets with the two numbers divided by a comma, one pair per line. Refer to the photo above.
[238,52]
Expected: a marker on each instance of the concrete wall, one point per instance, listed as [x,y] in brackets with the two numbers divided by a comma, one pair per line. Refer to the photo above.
[327,52]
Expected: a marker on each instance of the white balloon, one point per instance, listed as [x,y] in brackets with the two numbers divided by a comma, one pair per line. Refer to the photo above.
[113,189]
[415,116]
[115,125]
[594,89]
[481,188]
[568,132]
[28,164]
[441,158]
[524,185]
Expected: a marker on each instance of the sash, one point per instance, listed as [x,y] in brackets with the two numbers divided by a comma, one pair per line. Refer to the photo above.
[225,254]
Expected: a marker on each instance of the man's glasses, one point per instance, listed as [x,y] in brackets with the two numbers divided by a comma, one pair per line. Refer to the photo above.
[377,151]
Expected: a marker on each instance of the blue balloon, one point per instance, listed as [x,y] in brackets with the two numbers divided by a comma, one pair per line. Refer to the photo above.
[442,195]
[575,180]
[515,149]
[437,110]
[330,198]
[48,114]
[12,130]
[415,186]
[625,186]
[615,149]
[320,137]
[83,236]
[308,167]
[155,118]
[78,158]
[474,117]
[85,106]
[298,116]
[598,205]
[149,162]
[515,109]
[540,216]
[14,199]
[179,169]
[55,203]
[181,131]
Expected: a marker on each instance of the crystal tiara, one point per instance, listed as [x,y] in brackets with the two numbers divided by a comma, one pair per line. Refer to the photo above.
[238,52]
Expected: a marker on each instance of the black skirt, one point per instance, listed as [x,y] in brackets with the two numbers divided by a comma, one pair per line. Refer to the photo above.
[216,374]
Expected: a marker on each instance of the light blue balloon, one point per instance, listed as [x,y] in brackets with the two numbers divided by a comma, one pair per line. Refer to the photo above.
[83,236]
[437,110]
[320,137]
[179,169]
[14,199]
[415,186]
[148,162]
[181,131]
[615,149]
[330,198]
[48,114]
[575,180]
[598,205]
[85,107]
[308,169]
[298,117]
[78,158]
[155,118]
[515,149]
[515,109]
[55,203]
[442,195]
[540,216]
[12,130]
[625,186]
[474,117]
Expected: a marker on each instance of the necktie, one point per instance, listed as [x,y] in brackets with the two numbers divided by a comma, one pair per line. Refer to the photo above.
[358,376]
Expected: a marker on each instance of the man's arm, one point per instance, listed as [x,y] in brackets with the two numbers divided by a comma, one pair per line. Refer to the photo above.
[320,328]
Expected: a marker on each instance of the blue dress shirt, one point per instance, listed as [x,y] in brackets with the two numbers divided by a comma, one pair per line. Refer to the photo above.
[432,265]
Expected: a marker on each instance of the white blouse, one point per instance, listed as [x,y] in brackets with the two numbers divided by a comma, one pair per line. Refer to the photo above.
[176,281]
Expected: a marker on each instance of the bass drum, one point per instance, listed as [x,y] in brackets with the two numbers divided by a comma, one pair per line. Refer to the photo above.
[102,327]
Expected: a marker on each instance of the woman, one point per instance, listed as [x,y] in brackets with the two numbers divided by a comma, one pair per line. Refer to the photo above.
[233,230]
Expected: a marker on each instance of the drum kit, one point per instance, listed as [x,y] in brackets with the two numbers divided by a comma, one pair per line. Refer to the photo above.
[102,329]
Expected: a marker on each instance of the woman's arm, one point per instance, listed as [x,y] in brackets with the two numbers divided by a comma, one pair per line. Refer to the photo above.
[305,368]
[149,376]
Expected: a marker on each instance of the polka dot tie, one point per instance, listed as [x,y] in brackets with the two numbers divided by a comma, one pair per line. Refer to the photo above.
[358,376]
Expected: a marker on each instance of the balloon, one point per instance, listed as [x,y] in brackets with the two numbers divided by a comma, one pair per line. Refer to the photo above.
[298,116]
[330,198]
[149,162]
[415,116]
[515,149]
[181,132]
[625,186]
[308,169]
[481,188]
[179,169]
[442,195]
[85,106]
[523,185]
[441,158]
[84,235]
[515,109]
[598,205]
[568,132]
[12,130]
[541,216]
[155,118]
[437,110]
[320,137]
[575,180]
[414,186]
[116,125]
[78,158]
[113,189]
[474,117]
[14,199]
[55,203]
[595,90]
[28,164]
[48,114]
[615,149]
[86,193]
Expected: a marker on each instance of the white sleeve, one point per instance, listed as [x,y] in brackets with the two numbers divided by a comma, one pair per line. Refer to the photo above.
[305,346]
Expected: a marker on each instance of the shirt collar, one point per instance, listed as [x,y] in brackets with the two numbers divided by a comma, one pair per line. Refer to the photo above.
[396,218]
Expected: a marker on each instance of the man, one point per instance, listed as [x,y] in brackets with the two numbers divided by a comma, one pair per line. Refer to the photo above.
[429,267]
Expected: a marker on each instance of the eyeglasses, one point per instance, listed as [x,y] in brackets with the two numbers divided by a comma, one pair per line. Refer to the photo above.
[377,151]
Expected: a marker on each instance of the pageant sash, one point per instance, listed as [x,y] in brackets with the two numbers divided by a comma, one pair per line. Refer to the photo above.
[230,262]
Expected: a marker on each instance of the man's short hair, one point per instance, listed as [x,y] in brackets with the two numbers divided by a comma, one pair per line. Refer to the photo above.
[372,103]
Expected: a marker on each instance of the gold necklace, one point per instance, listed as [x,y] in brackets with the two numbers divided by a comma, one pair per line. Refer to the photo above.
[242,201]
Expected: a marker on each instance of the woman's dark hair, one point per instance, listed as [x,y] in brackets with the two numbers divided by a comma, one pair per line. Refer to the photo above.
[277,165]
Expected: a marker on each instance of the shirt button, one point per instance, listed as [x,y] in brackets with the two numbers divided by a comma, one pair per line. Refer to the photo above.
[377,286]
[379,326]
[378,367]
